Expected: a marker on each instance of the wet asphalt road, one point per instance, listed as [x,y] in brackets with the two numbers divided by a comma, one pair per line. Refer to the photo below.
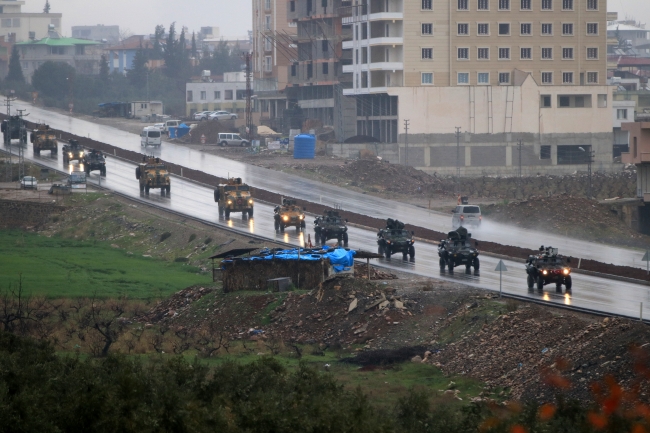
[188,198]
[291,185]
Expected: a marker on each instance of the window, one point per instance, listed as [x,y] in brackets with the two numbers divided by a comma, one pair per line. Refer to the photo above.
[567,53]
[547,29]
[227,95]
[217,95]
[567,5]
[310,70]
[79,50]
[268,64]
[545,150]
[504,5]
[567,77]
[526,29]
[463,29]
[427,29]
[547,78]
[267,4]
[427,5]
[579,101]
[292,6]
[483,5]
[189,96]
[364,54]
[547,5]
[567,29]
[326,68]
[463,78]
[356,52]
[427,53]
[16,22]
[526,53]
[504,29]
[547,53]
[592,77]
[504,77]
[602,101]
[463,54]
[545,101]
[57,50]
[204,95]
[5,22]
[427,77]
[293,70]
[364,30]
[592,29]
[504,53]
[564,101]
[592,5]
[483,29]
[526,5]
[463,5]
[267,44]
[483,78]
[267,22]
[325,45]
[483,54]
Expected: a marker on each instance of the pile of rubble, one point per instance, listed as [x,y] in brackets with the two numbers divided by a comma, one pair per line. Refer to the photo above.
[519,348]
[175,305]
[361,271]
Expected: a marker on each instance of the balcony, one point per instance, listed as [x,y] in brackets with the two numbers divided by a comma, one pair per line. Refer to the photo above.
[365,91]
[379,16]
[386,66]
[390,40]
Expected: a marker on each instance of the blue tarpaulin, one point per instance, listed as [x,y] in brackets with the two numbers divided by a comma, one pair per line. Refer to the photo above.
[340,258]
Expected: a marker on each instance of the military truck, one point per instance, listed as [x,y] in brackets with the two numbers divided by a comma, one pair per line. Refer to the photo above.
[395,239]
[44,138]
[458,250]
[234,196]
[289,215]
[152,173]
[548,267]
[331,226]
[94,160]
[14,129]
[73,151]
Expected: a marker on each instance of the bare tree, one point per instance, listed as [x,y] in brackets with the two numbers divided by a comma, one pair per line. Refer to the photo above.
[105,318]
[19,311]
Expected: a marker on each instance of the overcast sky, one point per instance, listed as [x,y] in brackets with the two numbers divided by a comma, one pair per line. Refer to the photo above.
[634,9]
[233,17]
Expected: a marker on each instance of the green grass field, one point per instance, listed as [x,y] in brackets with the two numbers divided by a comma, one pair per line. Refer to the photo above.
[55,267]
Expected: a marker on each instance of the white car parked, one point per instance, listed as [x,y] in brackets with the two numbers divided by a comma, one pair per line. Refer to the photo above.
[222,115]
[28,182]
[202,115]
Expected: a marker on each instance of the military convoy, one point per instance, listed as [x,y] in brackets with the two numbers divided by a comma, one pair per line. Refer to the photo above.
[14,128]
[458,250]
[395,239]
[548,267]
[44,138]
[73,151]
[94,160]
[152,173]
[289,215]
[331,226]
[234,196]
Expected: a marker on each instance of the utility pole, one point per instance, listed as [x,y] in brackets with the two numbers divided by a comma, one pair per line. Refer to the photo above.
[21,151]
[406,141]
[589,161]
[458,160]
[249,97]
[10,173]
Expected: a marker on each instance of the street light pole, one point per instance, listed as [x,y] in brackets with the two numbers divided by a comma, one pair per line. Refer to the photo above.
[458,160]
[406,141]
[590,158]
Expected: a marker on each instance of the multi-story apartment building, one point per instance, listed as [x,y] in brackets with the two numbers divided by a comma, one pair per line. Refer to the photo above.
[228,94]
[19,26]
[273,53]
[99,33]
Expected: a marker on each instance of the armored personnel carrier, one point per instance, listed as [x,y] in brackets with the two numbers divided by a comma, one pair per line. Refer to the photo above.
[289,215]
[458,250]
[14,129]
[94,160]
[73,151]
[234,196]
[394,239]
[548,267]
[331,226]
[44,138]
[152,173]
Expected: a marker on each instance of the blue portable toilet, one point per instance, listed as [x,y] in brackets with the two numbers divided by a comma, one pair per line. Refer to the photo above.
[172,132]
[304,146]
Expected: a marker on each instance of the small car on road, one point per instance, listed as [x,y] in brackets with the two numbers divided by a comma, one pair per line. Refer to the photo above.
[28,182]
[466,215]
[222,115]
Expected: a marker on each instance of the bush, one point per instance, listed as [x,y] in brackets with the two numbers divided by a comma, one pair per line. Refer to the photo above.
[181,259]
[165,236]
[207,241]
[192,237]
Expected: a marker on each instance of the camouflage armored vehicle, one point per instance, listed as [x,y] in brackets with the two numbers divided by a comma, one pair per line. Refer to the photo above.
[152,173]
[234,196]
[94,160]
[73,151]
[458,250]
[289,215]
[548,267]
[44,138]
[14,129]
[394,239]
[331,226]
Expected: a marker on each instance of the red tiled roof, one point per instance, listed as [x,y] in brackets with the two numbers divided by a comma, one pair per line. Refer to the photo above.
[629,60]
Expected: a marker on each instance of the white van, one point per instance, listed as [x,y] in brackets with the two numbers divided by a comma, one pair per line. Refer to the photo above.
[150,136]
[170,123]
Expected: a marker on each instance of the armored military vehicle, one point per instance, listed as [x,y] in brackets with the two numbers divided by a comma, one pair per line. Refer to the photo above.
[548,267]
[458,250]
[152,173]
[94,160]
[394,239]
[331,226]
[44,138]
[73,151]
[234,196]
[14,129]
[289,215]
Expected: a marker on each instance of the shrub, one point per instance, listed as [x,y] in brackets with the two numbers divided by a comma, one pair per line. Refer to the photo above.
[207,241]
[164,236]
[192,237]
